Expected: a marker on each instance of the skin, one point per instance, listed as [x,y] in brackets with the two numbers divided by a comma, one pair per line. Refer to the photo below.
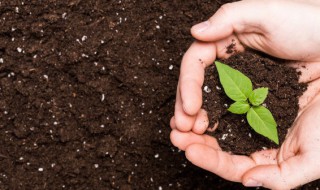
[282,28]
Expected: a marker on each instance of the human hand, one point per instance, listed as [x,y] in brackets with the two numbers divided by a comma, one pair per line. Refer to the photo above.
[284,29]
[248,24]
[295,163]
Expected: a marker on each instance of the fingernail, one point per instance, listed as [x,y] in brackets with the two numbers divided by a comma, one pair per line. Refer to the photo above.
[252,183]
[201,26]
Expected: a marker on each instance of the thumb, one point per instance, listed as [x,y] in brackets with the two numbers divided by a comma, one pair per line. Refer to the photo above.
[237,17]
[289,174]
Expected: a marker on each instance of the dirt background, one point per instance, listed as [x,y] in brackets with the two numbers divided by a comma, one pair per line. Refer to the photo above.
[87,88]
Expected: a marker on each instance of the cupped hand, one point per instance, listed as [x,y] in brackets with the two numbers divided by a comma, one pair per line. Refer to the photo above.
[294,164]
[284,29]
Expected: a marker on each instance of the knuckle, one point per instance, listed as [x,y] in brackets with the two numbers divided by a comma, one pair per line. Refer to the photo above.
[226,9]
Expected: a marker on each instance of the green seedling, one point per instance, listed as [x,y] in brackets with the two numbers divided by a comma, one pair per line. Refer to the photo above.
[238,87]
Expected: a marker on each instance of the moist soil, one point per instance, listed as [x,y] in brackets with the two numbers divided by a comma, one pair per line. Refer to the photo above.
[234,133]
[87,88]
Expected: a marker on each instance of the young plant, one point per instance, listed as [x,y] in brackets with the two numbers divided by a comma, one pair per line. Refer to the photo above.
[238,87]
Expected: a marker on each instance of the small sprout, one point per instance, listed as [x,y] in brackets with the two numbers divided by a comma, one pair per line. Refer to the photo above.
[238,87]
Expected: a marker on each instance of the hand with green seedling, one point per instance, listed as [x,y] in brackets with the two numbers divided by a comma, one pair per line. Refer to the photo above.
[238,87]
[285,29]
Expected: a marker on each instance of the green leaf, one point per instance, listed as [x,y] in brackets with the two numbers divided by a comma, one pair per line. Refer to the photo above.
[236,85]
[239,107]
[262,121]
[258,96]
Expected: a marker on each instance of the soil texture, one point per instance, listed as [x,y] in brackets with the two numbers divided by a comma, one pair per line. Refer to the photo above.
[87,88]
[234,133]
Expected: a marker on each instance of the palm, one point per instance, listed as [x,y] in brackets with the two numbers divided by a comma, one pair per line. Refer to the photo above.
[296,162]
[282,166]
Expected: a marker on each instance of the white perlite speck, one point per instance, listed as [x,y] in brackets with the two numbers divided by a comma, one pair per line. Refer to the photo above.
[206,89]
[170,67]
[102,97]
[156,156]
[64,15]
[40,169]
[224,136]
[84,38]
[1,60]
[19,50]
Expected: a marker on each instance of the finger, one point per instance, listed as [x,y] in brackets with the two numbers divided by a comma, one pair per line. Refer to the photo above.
[238,17]
[289,147]
[311,92]
[201,123]
[215,126]
[198,56]
[309,71]
[172,123]
[308,2]
[183,121]
[230,167]
[289,174]
[183,139]
[228,47]
[265,157]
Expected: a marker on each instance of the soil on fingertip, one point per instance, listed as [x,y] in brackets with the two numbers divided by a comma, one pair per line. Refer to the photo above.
[234,133]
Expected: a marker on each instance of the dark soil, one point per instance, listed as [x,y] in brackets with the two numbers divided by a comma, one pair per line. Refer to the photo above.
[87,88]
[234,133]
